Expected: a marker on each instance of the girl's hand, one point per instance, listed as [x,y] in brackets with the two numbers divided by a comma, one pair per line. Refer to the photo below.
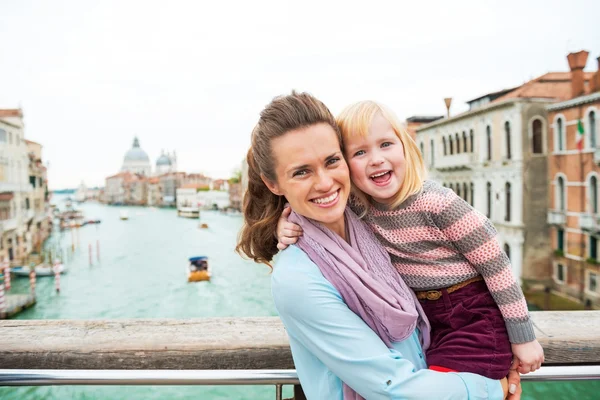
[514,381]
[530,354]
[287,232]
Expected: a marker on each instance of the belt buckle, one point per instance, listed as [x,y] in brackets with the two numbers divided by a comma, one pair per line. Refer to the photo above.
[433,294]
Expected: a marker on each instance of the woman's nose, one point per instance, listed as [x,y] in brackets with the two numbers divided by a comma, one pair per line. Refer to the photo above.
[324,182]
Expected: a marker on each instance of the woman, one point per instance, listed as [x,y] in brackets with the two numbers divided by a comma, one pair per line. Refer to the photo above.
[354,326]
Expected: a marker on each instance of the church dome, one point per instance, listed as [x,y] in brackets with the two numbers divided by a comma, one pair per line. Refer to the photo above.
[163,160]
[136,153]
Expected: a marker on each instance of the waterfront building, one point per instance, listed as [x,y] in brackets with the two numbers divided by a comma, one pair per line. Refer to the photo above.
[244,179]
[574,174]
[412,123]
[235,194]
[197,179]
[154,197]
[114,188]
[37,203]
[136,189]
[494,157]
[214,199]
[15,188]
[136,161]
[169,183]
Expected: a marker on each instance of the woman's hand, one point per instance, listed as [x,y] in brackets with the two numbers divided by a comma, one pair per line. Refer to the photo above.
[287,232]
[530,354]
[514,381]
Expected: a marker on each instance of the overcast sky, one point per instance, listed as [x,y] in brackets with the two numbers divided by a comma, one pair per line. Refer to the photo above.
[192,76]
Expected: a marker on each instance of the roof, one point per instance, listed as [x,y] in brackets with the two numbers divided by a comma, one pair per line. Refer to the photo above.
[119,175]
[494,95]
[194,186]
[136,153]
[552,85]
[154,180]
[424,118]
[585,99]
[32,142]
[15,112]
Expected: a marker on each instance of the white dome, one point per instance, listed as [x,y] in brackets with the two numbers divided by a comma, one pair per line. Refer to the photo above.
[136,153]
[163,160]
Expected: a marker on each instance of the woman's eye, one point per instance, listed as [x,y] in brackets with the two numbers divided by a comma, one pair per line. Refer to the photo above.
[386,144]
[359,153]
[301,172]
[332,161]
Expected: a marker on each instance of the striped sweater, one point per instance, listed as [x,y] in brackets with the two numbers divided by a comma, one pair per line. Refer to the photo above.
[436,239]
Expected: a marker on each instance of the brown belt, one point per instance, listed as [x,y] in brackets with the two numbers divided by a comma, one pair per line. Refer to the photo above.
[436,294]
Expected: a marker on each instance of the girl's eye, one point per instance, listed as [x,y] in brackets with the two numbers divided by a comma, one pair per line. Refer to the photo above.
[386,144]
[332,161]
[359,153]
[301,172]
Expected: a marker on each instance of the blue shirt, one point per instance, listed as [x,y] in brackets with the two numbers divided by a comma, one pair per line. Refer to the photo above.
[331,344]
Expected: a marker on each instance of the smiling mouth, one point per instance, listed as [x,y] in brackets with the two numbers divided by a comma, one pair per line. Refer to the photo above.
[328,199]
[381,177]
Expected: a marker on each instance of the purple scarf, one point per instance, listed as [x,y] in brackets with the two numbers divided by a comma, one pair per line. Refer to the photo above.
[364,275]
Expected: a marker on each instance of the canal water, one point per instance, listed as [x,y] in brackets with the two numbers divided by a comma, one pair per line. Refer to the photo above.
[141,274]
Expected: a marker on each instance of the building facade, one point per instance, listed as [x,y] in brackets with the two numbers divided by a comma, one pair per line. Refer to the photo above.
[573,175]
[494,156]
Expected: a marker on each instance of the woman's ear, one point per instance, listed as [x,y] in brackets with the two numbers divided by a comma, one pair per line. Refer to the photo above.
[272,186]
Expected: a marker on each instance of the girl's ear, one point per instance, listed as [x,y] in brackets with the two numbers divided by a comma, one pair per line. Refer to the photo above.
[272,186]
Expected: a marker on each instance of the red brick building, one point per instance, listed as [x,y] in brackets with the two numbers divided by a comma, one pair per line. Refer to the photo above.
[573,175]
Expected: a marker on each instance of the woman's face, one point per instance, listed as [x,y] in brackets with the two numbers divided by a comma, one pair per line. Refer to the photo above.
[312,174]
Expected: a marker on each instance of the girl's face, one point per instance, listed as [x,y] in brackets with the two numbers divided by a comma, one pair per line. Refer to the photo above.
[377,163]
[312,174]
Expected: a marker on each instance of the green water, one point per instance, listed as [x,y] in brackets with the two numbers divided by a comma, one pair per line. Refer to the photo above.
[141,274]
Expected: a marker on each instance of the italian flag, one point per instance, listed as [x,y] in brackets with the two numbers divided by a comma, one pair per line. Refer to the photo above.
[579,137]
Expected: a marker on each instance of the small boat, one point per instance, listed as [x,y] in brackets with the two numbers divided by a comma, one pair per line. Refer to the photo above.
[40,270]
[124,215]
[203,226]
[188,212]
[198,269]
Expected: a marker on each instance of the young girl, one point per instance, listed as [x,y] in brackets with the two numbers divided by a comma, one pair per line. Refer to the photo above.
[443,248]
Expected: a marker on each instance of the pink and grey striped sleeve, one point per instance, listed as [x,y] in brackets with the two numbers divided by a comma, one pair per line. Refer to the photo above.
[474,236]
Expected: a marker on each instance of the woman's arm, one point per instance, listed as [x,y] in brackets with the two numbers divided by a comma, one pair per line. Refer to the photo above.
[315,316]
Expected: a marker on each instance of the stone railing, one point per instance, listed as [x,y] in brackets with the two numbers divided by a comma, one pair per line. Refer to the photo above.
[217,344]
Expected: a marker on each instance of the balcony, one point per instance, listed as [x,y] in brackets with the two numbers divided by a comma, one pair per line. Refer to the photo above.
[456,161]
[8,224]
[589,222]
[557,217]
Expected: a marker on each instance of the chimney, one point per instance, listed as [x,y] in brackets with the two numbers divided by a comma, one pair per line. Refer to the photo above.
[577,63]
[448,101]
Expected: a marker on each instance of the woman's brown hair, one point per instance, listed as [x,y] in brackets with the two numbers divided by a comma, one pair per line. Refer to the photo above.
[262,208]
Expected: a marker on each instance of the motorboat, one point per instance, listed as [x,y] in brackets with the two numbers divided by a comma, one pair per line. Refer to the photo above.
[198,269]
[188,212]
[40,270]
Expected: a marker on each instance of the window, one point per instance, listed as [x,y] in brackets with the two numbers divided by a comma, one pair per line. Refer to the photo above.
[451,187]
[9,137]
[458,190]
[593,248]
[536,139]
[472,191]
[32,180]
[592,128]
[488,211]
[464,138]
[2,136]
[507,250]
[471,139]
[593,195]
[444,144]
[507,133]
[559,135]
[457,143]
[465,192]
[451,144]
[593,282]
[27,203]
[561,273]
[561,194]
[432,152]
[422,150]
[560,239]
[507,212]
[488,132]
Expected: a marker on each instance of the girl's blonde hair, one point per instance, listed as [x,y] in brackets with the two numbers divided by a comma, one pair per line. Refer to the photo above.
[356,119]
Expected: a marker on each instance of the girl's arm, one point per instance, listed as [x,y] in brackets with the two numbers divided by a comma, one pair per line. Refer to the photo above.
[474,236]
[321,325]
